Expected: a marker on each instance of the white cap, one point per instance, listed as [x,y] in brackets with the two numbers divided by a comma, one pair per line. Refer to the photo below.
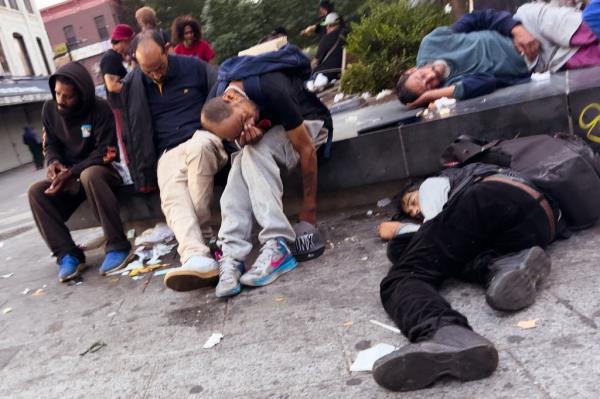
[330,19]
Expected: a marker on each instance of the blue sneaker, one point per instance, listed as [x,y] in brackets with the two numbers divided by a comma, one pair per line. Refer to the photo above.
[69,267]
[114,260]
[275,259]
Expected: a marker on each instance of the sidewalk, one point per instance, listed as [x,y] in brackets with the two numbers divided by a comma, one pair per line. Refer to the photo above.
[293,339]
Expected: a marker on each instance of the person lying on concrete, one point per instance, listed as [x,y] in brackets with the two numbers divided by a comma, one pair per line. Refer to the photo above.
[486,50]
[167,147]
[328,59]
[487,230]
[80,145]
[280,134]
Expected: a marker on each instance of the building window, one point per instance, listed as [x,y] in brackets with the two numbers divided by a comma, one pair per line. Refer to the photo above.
[4,68]
[28,6]
[101,27]
[43,53]
[23,54]
[13,4]
[70,36]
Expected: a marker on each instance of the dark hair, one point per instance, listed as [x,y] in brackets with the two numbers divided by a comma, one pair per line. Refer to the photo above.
[328,5]
[179,25]
[65,80]
[409,185]
[404,94]
[280,30]
[153,35]
[216,110]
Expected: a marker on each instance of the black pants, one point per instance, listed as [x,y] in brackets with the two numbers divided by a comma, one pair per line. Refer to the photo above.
[488,219]
[50,213]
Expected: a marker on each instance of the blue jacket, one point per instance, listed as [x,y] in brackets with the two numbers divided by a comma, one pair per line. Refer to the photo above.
[479,84]
[249,68]
[591,16]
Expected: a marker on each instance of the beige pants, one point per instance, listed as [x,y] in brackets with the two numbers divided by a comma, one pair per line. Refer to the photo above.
[185,178]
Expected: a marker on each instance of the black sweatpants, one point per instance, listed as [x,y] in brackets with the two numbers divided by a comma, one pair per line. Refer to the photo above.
[487,218]
[50,212]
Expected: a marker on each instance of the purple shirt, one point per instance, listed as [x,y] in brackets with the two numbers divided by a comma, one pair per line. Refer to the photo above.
[589,52]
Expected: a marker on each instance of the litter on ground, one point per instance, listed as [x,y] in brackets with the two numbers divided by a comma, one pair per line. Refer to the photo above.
[527,324]
[159,233]
[7,310]
[367,358]
[95,347]
[213,340]
[7,275]
[162,272]
[382,203]
[380,324]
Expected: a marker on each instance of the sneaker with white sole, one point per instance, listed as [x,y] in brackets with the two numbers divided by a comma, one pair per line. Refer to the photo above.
[196,272]
[230,271]
[275,259]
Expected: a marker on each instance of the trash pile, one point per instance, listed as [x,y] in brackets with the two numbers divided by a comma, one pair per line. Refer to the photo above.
[151,246]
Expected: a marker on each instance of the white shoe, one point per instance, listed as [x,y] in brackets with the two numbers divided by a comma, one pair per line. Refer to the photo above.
[196,272]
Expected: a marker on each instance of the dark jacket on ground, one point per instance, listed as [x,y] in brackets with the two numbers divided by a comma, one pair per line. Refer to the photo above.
[86,136]
[138,127]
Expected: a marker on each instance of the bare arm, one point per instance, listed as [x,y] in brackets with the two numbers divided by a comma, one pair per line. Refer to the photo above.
[113,83]
[432,95]
[304,146]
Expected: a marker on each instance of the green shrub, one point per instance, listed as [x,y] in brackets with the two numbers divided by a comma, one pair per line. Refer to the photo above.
[386,42]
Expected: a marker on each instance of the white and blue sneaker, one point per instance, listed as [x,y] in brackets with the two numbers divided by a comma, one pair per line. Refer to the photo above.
[230,271]
[274,260]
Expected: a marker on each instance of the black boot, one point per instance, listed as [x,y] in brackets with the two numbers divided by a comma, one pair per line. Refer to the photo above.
[514,279]
[454,351]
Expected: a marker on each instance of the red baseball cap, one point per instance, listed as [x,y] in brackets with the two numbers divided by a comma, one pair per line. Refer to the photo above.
[122,32]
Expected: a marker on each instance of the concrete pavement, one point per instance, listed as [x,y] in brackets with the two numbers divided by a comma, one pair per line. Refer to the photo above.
[293,339]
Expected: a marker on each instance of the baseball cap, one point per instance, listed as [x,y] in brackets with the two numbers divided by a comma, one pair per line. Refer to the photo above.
[122,32]
[330,19]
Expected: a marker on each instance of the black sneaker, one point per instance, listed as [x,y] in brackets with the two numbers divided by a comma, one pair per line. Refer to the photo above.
[515,278]
[453,351]
[308,244]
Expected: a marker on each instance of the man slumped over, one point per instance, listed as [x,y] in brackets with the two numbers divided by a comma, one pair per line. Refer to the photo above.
[80,144]
[490,231]
[282,133]
[486,50]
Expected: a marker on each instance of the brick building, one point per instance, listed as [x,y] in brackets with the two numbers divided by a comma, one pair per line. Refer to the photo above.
[80,29]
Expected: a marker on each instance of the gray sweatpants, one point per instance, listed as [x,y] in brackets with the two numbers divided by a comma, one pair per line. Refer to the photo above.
[254,188]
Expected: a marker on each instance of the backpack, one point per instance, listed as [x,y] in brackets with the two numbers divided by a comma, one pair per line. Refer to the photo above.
[248,68]
[562,166]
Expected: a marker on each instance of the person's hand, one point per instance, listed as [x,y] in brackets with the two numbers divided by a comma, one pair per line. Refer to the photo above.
[387,230]
[59,182]
[250,135]
[423,100]
[308,30]
[525,43]
[54,169]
